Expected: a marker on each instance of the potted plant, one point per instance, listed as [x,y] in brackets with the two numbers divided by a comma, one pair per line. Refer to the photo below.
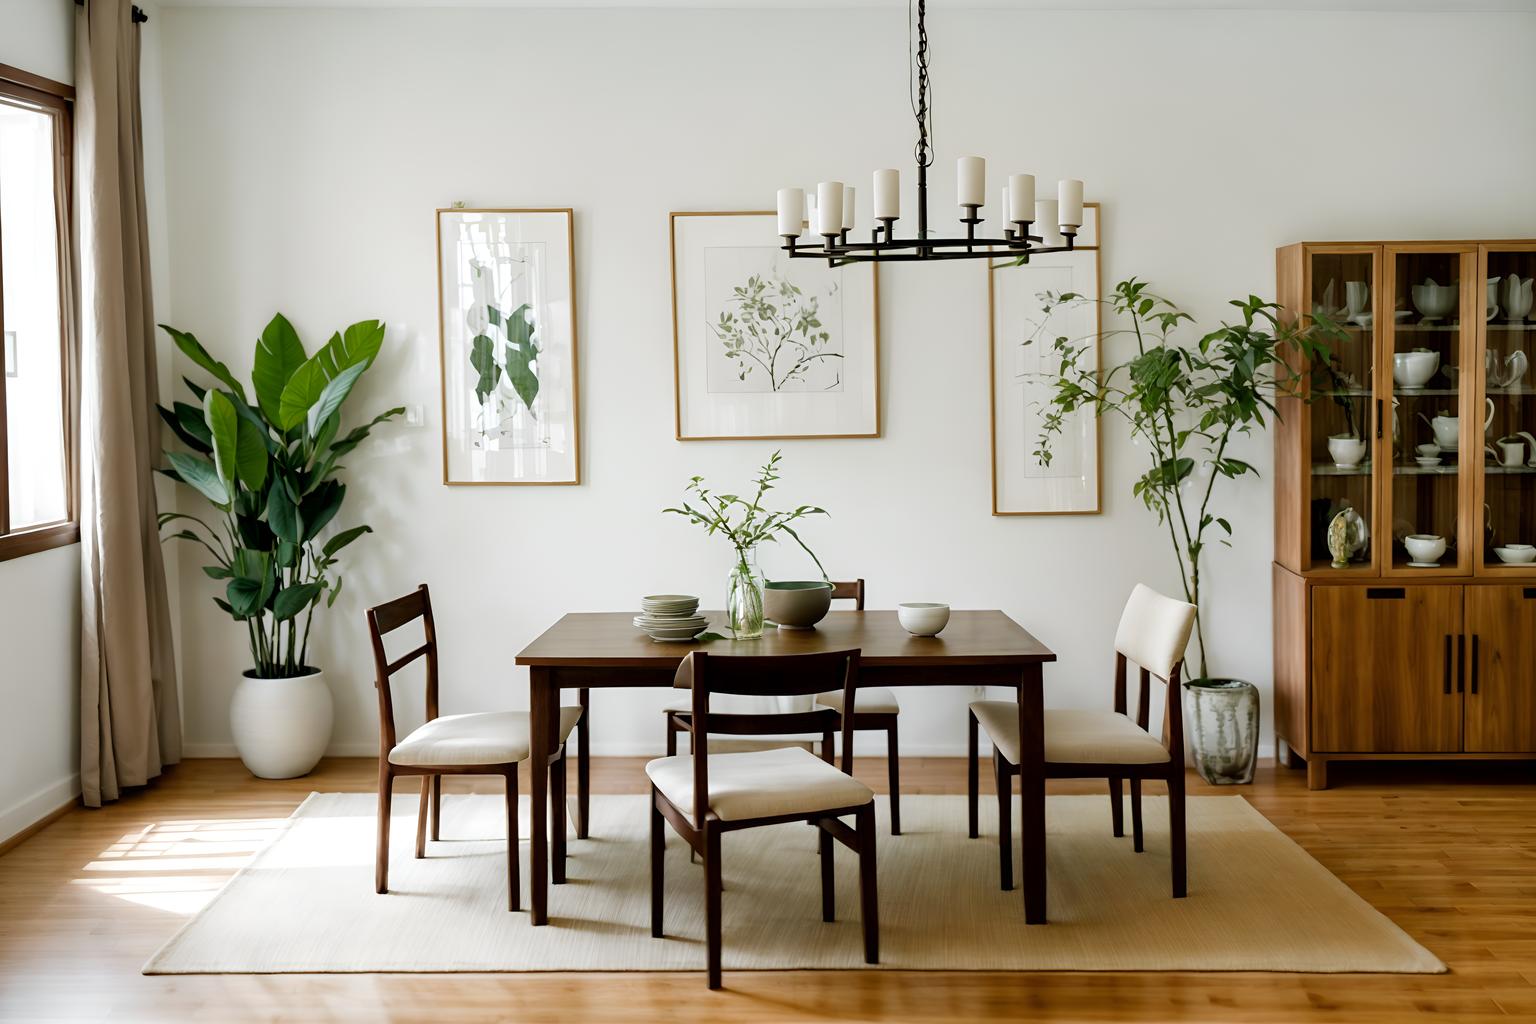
[752,525]
[269,470]
[1186,404]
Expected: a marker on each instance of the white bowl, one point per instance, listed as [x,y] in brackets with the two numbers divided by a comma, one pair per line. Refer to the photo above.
[922,618]
[1414,369]
[1516,554]
[1346,451]
[1433,300]
[1424,547]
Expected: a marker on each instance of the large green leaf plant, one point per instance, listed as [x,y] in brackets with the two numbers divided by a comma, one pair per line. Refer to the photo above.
[269,469]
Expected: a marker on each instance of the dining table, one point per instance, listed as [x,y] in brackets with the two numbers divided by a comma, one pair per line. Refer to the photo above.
[592,650]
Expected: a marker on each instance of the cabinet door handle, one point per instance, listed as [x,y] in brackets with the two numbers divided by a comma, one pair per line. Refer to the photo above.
[1378,419]
[1447,663]
[1385,593]
[1461,663]
[1530,593]
[1474,664]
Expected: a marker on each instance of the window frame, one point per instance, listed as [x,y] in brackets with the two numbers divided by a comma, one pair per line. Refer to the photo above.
[58,100]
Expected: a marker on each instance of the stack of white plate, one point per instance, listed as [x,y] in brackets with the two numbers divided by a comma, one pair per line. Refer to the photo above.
[670,617]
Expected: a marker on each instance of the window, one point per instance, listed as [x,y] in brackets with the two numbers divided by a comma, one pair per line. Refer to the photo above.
[37,508]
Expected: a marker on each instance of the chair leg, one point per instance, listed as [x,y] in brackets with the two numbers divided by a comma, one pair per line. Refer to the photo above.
[869,902]
[1136,837]
[828,884]
[893,767]
[1116,808]
[437,808]
[1004,821]
[712,895]
[973,780]
[559,820]
[514,881]
[421,817]
[584,764]
[658,865]
[381,863]
[1176,833]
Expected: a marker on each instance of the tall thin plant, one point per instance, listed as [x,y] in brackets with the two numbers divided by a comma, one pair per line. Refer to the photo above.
[1186,403]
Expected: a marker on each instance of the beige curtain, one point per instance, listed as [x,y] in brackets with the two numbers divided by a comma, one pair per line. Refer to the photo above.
[130,715]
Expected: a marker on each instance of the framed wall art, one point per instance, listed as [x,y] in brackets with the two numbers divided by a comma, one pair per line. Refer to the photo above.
[507,322]
[768,347]
[1020,379]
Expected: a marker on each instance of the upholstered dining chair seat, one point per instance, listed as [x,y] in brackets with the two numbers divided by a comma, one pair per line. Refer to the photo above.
[760,784]
[488,737]
[1072,735]
[872,700]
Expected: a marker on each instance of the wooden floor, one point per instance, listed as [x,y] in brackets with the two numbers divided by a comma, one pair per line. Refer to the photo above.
[1447,852]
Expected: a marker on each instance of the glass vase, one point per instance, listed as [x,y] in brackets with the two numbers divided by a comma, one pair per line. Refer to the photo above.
[1223,726]
[744,597]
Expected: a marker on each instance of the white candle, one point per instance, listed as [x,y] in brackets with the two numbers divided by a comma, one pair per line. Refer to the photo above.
[1021,195]
[847,207]
[810,211]
[829,208]
[887,194]
[791,210]
[1069,193]
[1045,223]
[970,181]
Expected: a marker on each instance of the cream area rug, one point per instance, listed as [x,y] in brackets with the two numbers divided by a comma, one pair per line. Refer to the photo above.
[1257,901]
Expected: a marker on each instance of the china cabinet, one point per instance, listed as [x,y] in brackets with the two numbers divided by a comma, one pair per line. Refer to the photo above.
[1405,505]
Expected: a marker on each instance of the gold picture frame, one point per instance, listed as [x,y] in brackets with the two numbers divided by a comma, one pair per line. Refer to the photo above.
[995,266]
[679,383]
[572,419]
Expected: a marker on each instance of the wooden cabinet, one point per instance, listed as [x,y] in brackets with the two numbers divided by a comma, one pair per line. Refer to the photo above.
[1421,418]
[1501,669]
[1384,668]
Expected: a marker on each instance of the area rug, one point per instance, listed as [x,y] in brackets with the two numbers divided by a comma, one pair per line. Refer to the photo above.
[1257,901]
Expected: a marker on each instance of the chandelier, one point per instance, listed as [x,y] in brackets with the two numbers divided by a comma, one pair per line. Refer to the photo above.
[829,213]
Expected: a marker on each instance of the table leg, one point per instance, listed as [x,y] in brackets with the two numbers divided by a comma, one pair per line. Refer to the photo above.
[543,725]
[1032,791]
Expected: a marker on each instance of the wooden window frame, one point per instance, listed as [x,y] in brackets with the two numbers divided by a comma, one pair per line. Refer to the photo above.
[57,99]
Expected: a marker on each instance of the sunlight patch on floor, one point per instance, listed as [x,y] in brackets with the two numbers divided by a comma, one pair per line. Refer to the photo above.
[177,866]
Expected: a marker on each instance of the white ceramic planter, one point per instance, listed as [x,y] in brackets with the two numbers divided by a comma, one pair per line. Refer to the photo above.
[281,726]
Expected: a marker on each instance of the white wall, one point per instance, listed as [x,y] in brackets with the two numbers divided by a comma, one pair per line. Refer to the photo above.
[39,594]
[306,150]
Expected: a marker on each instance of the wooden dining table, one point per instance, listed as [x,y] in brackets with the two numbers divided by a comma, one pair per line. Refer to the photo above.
[590,650]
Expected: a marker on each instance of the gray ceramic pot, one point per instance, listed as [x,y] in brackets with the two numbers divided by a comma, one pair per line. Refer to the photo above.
[796,604]
[1222,720]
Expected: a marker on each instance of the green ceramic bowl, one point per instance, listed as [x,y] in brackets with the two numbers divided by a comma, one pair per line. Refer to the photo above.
[796,604]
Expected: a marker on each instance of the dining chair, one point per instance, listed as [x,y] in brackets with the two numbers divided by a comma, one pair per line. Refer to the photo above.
[1087,744]
[703,795]
[875,710]
[483,743]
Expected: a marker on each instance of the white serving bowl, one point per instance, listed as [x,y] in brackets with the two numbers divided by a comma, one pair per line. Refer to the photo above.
[1433,300]
[1414,369]
[923,618]
[1424,547]
[1346,451]
[1516,554]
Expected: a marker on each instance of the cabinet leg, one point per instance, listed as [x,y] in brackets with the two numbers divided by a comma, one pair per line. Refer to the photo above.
[1317,773]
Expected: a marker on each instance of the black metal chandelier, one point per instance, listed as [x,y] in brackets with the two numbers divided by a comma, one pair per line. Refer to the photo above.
[830,213]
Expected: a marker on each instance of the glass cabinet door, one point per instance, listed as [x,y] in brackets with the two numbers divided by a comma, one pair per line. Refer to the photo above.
[1508,386]
[1433,437]
[1341,285]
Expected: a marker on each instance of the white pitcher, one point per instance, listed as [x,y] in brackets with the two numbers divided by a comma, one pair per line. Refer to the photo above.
[1517,297]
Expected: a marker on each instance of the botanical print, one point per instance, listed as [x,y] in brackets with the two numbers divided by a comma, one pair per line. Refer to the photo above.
[1031,387]
[766,345]
[777,327]
[509,346]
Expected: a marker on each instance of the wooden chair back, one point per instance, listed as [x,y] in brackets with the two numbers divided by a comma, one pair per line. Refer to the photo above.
[850,590]
[789,675]
[384,619]
[1153,633]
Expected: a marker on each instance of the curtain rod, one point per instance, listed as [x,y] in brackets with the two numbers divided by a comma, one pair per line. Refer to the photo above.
[139,17]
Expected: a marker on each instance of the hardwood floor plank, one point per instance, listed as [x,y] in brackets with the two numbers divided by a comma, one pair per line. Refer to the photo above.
[1448,852]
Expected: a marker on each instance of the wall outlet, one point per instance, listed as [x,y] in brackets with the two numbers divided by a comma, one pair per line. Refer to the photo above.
[414,416]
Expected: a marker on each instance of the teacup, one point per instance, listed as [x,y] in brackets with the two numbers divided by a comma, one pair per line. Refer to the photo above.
[1346,451]
[1429,450]
[1511,452]
[1424,548]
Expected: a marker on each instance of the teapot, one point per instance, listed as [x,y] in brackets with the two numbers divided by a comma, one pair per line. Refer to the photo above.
[1517,297]
[1447,429]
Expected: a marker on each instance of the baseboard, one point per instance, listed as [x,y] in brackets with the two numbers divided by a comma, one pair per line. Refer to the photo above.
[873,747]
[221,750]
[22,820]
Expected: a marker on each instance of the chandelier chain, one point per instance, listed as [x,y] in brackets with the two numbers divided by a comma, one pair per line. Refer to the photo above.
[918,68]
